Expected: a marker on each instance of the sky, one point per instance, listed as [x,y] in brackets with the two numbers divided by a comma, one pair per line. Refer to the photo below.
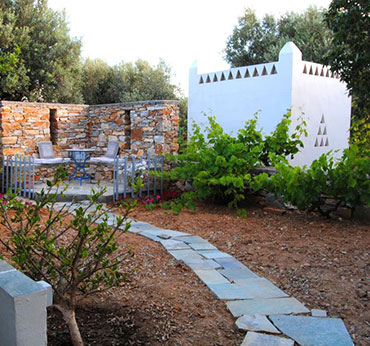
[179,32]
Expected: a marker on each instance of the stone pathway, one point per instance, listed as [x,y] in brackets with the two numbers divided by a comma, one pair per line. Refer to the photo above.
[262,309]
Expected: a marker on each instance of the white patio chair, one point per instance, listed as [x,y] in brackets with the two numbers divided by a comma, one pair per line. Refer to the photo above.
[46,155]
[110,155]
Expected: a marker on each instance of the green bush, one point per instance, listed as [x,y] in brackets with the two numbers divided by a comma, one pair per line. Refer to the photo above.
[346,181]
[76,254]
[219,165]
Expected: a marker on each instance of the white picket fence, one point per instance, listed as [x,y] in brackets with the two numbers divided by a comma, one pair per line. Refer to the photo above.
[127,171]
[18,175]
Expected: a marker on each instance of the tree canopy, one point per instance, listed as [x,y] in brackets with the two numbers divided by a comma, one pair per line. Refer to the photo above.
[255,41]
[350,54]
[38,59]
[126,82]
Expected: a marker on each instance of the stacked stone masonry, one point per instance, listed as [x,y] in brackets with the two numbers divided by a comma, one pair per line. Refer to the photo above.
[140,127]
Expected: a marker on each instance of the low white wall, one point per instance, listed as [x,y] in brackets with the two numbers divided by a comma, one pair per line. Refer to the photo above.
[23,305]
[323,100]
[234,95]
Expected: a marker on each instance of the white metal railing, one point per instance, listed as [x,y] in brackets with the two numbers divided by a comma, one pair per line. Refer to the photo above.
[127,171]
[18,175]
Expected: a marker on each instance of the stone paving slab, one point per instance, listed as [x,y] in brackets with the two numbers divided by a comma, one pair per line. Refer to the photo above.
[317,331]
[171,233]
[191,239]
[230,263]
[144,226]
[174,245]
[150,236]
[238,274]
[258,339]
[228,291]
[273,306]
[187,256]
[319,313]
[211,277]
[260,288]
[256,323]
[205,265]
[202,246]
[161,232]
[213,254]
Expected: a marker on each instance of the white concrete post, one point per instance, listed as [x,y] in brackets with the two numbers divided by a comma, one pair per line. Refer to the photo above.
[23,305]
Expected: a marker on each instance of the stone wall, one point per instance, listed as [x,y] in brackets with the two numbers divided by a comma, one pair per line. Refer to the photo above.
[154,128]
[139,127]
[110,122]
[24,124]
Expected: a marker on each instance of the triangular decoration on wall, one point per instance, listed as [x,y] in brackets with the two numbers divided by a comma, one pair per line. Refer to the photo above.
[322,134]
[230,76]
[246,74]
[322,72]
[305,69]
[264,71]
[311,72]
[208,80]
[222,77]
[273,70]
[327,74]
[255,72]
[215,79]
[201,80]
[238,75]
[316,71]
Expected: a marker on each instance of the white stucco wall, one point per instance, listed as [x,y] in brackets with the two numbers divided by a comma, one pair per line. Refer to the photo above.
[23,305]
[233,101]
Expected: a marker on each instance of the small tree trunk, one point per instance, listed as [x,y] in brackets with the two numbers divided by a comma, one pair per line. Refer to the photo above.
[69,317]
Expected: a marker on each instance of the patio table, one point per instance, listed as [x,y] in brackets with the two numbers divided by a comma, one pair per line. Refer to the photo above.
[79,157]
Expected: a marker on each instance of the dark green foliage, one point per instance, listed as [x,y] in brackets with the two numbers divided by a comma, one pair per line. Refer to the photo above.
[255,41]
[41,60]
[126,82]
[350,54]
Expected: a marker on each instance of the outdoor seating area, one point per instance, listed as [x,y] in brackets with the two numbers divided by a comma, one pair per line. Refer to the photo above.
[102,144]
[28,176]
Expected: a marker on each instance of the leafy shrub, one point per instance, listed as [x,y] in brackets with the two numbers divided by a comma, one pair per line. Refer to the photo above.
[360,135]
[218,165]
[75,254]
[346,181]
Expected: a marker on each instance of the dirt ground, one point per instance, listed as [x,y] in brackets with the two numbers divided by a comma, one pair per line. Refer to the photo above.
[323,263]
